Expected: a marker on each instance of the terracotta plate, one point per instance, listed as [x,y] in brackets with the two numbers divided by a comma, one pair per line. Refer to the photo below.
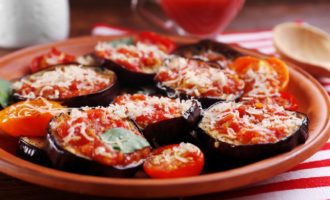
[312,98]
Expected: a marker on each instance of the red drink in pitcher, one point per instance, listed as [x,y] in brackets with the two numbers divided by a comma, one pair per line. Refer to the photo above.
[202,17]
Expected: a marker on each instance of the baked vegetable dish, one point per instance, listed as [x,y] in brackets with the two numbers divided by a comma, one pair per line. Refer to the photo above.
[143,106]
[73,85]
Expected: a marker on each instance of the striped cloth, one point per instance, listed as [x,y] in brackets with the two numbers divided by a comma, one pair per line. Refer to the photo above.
[308,180]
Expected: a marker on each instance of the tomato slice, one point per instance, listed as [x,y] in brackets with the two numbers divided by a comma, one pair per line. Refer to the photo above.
[53,57]
[242,64]
[163,43]
[176,160]
[282,70]
[27,118]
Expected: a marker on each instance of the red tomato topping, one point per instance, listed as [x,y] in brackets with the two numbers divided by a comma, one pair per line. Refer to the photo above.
[147,110]
[285,99]
[172,161]
[163,43]
[53,57]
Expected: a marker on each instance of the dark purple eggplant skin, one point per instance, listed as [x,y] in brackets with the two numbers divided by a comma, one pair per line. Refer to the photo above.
[205,101]
[173,130]
[128,77]
[32,153]
[64,160]
[219,151]
[195,49]
[99,98]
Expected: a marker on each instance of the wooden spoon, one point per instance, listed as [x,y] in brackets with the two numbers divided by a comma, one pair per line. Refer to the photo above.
[304,44]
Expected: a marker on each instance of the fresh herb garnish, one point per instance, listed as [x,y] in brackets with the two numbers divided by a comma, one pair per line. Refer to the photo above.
[127,41]
[124,140]
[5,91]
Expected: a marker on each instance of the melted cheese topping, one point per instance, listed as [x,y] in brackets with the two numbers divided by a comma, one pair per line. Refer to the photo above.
[63,82]
[147,110]
[264,81]
[198,79]
[246,123]
[140,57]
[177,154]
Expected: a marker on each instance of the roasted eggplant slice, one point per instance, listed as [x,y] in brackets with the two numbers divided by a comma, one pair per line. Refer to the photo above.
[248,131]
[98,141]
[73,85]
[33,149]
[209,51]
[162,120]
[135,62]
[189,78]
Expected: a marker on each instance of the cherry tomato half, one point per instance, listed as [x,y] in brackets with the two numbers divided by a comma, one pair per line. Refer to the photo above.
[163,43]
[242,64]
[27,118]
[53,57]
[172,161]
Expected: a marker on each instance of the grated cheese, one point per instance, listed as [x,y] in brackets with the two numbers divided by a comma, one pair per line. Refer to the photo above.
[198,79]
[263,120]
[151,107]
[57,82]
[138,51]
[264,81]
[177,154]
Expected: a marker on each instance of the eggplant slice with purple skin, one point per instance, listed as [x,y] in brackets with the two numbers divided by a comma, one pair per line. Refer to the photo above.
[101,97]
[67,158]
[146,111]
[185,67]
[173,130]
[33,150]
[219,150]
[129,77]
[210,51]
[67,161]
[205,101]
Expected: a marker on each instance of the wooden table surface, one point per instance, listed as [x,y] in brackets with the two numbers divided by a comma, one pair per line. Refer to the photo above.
[257,14]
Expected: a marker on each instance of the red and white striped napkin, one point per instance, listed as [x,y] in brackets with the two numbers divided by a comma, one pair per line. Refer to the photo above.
[308,180]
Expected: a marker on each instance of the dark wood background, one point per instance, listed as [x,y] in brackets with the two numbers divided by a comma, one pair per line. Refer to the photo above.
[256,14]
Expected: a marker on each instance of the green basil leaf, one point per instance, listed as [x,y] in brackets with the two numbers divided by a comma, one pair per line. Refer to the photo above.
[124,140]
[5,91]
[127,41]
